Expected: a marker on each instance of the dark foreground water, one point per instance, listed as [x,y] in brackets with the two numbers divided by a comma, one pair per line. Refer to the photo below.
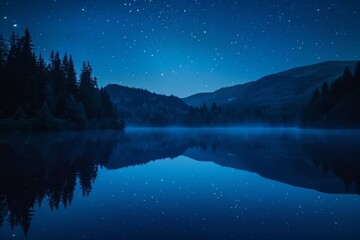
[181,184]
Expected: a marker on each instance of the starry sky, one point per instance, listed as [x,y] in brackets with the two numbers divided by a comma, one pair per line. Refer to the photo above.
[187,46]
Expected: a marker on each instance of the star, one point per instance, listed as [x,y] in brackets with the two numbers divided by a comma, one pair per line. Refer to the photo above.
[160,34]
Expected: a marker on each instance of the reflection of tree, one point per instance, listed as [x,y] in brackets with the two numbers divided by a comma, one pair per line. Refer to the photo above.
[61,185]
[87,172]
[31,172]
[349,172]
[22,183]
[48,166]
[315,161]
[342,158]
[3,209]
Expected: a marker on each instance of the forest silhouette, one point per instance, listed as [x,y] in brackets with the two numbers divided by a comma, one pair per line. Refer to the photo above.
[36,95]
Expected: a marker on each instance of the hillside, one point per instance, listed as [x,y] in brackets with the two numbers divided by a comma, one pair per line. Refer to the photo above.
[276,98]
[141,107]
[335,105]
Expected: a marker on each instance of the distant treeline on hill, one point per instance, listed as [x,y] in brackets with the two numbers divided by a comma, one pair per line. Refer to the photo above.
[36,95]
[140,107]
[337,105]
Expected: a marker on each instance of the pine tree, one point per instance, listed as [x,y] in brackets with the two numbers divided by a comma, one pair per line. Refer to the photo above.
[204,108]
[311,110]
[88,91]
[12,77]
[75,112]
[347,80]
[325,101]
[40,65]
[28,85]
[56,74]
[42,77]
[52,56]
[315,96]
[4,51]
[13,51]
[325,89]
[214,107]
[58,82]
[357,75]
[65,65]
[106,107]
[27,48]
[70,75]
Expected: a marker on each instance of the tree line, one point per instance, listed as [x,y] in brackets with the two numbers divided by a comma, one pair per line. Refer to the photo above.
[36,95]
[337,105]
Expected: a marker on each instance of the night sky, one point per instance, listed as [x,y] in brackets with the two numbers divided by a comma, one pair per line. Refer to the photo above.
[188,46]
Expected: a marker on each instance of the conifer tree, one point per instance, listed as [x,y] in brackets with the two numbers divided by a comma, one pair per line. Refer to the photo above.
[28,85]
[357,75]
[4,51]
[325,89]
[315,95]
[88,91]
[106,107]
[3,75]
[214,107]
[71,77]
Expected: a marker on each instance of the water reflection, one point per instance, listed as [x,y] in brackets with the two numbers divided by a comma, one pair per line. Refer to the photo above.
[47,167]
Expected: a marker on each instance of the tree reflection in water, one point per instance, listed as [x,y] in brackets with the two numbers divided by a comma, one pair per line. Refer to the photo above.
[46,167]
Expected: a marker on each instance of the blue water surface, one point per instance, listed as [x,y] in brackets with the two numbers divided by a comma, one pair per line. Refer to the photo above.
[181,184]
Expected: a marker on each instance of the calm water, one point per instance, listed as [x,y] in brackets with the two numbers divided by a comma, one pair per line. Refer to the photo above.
[181,184]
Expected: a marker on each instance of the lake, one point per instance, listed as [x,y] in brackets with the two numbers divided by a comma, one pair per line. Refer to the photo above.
[230,183]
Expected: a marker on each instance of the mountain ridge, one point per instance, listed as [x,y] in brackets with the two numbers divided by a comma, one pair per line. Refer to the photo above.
[283,73]
[276,97]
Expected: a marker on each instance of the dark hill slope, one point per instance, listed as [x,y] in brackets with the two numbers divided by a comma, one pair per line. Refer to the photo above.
[141,107]
[276,98]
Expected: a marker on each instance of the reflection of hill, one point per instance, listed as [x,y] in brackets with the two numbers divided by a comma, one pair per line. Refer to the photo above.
[308,161]
[324,162]
[141,147]
[47,166]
